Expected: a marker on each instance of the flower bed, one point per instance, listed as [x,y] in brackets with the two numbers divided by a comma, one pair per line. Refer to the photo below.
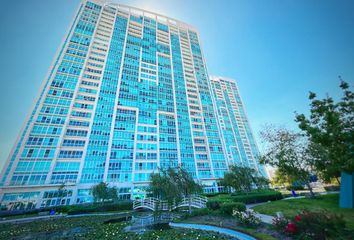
[94,228]
[312,225]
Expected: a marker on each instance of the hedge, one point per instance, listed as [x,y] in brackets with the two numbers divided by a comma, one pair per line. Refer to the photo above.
[74,209]
[295,187]
[81,209]
[332,188]
[256,197]
[213,204]
[228,208]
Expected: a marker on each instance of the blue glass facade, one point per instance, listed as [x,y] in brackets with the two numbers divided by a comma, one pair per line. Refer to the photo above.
[239,142]
[127,94]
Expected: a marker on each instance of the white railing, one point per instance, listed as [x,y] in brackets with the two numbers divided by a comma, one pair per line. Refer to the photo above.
[153,204]
[149,203]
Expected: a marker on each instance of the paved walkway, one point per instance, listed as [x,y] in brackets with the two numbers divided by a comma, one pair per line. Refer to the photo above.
[264,218]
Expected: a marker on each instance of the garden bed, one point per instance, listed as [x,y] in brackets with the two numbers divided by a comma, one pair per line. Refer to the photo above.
[262,232]
[94,228]
[327,204]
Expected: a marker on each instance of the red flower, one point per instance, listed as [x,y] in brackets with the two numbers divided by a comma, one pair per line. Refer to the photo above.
[298,218]
[291,228]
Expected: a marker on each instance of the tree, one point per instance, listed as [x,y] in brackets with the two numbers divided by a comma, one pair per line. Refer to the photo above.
[102,192]
[162,187]
[280,179]
[61,192]
[289,152]
[186,185]
[172,185]
[243,179]
[330,128]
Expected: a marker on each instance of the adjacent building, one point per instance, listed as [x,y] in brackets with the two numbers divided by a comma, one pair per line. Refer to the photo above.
[240,146]
[128,93]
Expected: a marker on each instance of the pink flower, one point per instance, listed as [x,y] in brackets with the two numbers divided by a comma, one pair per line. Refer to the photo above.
[291,228]
[298,218]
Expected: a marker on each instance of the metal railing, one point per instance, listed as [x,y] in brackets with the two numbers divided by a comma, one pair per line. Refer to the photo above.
[196,201]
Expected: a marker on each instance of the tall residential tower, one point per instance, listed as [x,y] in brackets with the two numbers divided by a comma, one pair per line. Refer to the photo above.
[241,148]
[127,93]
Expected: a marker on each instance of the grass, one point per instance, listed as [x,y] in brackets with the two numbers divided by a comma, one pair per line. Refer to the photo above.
[290,208]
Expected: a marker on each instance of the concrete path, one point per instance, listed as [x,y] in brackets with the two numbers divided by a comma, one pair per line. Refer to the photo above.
[265,218]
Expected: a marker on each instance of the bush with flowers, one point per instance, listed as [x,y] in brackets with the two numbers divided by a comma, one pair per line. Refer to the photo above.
[247,217]
[280,223]
[312,225]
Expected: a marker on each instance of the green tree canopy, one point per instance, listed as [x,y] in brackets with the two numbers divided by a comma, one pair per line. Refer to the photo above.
[289,152]
[330,128]
[281,179]
[172,185]
[102,192]
[243,179]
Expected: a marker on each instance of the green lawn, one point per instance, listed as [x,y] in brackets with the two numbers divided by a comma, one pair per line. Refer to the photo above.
[292,207]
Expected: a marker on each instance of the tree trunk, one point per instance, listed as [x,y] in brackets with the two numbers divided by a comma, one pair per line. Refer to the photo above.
[338,181]
[310,189]
[190,205]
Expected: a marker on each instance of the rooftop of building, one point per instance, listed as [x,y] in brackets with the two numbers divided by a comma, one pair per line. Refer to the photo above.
[218,78]
[142,12]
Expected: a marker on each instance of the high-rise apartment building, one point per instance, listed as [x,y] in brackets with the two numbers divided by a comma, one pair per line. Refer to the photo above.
[240,146]
[128,93]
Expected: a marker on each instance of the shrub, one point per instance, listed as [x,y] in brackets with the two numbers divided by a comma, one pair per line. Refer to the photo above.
[312,225]
[247,217]
[280,223]
[74,209]
[256,197]
[322,225]
[332,188]
[295,187]
[195,213]
[200,212]
[228,208]
[7,213]
[211,194]
[239,206]
[213,204]
[81,209]
[222,198]
[63,209]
